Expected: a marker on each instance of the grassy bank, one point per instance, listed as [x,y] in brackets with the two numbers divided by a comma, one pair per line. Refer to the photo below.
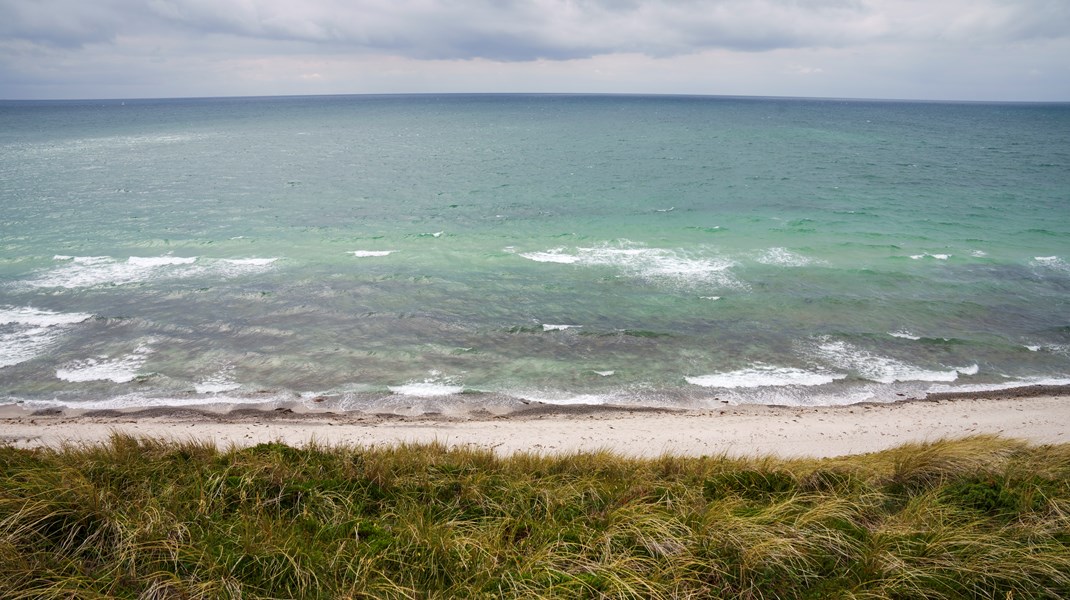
[976,518]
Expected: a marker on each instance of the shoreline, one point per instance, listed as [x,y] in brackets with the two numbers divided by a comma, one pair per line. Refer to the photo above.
[1035,414]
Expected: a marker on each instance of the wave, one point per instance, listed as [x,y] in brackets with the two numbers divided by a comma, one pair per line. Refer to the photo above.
[431,387]
[655,264]
[249,262]
[118,370]
[765,376]
[1051,262]
[564,398]
[548,327]
[27,332]
[142,401]
[933,256]
[883,369]
[219,382]
[93,271]
[426,389]
[783,257]
[552,256]
[27,315]
[370,253]
[903,334]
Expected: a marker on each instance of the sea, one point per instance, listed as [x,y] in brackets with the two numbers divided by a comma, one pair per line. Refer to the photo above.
[417,254]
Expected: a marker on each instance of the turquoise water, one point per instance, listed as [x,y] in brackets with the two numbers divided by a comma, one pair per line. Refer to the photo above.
[439,253]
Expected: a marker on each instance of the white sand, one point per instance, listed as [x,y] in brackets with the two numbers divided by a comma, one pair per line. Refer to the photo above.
[735,430]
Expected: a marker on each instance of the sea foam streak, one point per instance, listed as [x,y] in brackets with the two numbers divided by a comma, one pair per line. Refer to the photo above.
[139,401]
[783,257]
[27,332]
[762,376]
[91,271]
[883,369]
[370,253]
[119,370]
[633,260]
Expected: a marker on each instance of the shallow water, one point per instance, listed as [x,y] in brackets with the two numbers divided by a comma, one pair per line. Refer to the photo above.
[438,253]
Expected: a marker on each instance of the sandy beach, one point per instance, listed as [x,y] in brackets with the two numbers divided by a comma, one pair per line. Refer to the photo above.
[1040,415]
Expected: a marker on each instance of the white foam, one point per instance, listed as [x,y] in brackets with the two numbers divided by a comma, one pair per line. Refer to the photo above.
[208,387]
[24,344]
[985,387]
[903,334]
[884,369]
[250,262]
[90,271]
[370,253]
[548,327]
[27,332]
[764,375]
[927,255]
[237,267]
[552,256]
[434,386]
[604,373]
[638,261]
[219,382]
[139,401]
[1052,348]
[27,315]
[783,257]
[149,262]
[978,254]
[426,389]
[709,297]
[1052,262]
[119,370]
[564,399]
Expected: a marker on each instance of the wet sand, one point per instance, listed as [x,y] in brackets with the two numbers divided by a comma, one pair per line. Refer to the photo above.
[1039,415]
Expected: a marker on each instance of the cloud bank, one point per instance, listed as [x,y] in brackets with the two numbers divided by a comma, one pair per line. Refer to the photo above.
[967,49]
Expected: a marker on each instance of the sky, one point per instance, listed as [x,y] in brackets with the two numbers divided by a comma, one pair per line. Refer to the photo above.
[1017,50]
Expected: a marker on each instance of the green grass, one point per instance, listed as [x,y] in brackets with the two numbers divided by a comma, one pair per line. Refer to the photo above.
[975,518]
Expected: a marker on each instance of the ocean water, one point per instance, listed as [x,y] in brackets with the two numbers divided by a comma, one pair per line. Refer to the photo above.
[451,253]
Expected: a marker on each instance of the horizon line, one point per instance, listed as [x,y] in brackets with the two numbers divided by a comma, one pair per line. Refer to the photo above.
[588,94]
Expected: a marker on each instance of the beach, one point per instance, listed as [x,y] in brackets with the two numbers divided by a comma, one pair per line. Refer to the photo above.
[1038,414]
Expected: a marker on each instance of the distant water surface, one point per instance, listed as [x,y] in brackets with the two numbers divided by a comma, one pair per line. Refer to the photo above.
[440,253]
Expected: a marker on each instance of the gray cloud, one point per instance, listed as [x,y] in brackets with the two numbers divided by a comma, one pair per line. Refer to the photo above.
[529,30]
[63,48]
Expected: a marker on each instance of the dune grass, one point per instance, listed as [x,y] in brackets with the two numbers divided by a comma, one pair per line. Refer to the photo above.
[975,518]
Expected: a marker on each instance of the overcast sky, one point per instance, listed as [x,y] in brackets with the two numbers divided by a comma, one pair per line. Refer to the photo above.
[919,49]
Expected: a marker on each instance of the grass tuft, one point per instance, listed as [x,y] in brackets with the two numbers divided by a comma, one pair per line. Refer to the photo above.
[134,518]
